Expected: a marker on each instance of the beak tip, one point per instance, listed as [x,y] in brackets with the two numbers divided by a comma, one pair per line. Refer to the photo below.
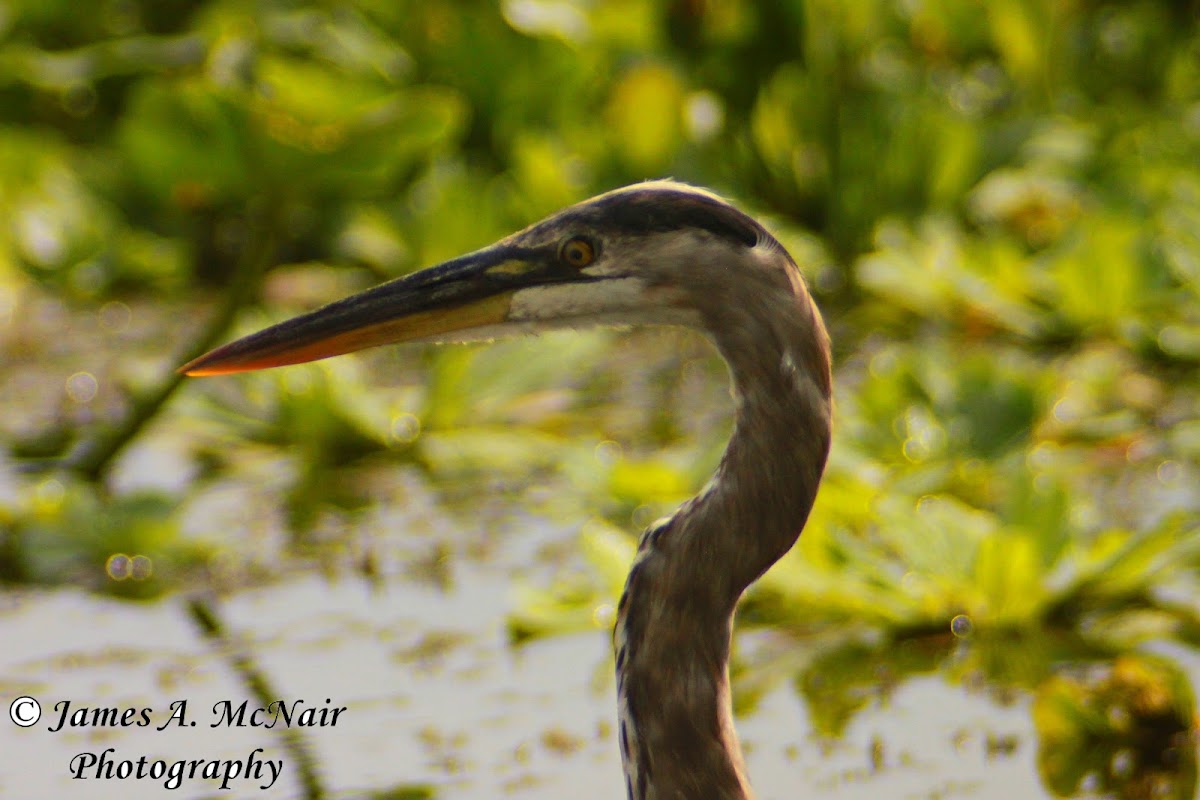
[403,310]
[206,365]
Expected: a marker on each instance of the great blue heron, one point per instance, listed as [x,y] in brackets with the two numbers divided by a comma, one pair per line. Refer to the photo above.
[653,253]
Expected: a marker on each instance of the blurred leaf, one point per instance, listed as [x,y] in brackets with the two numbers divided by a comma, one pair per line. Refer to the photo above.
[52,221]
[644,115]
[188,144]
[327,130]
[68,533]
[1128,732]
[1101,277]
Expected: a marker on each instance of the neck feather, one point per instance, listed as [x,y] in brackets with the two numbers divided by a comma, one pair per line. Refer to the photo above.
[674,623]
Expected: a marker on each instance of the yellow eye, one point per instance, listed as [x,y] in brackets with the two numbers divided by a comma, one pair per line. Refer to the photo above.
[577,253]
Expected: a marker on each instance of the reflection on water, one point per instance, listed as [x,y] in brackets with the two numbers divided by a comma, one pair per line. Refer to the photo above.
[436,698]
[469,717]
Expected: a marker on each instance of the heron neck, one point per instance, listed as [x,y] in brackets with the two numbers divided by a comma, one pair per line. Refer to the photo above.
[675,620]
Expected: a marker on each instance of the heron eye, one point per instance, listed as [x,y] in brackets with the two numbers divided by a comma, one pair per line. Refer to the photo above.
[577,253]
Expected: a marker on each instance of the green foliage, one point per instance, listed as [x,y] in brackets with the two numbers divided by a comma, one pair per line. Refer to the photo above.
[130,546]
[1127,729]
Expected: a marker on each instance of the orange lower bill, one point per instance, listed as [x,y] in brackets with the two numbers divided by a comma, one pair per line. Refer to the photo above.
[303,339]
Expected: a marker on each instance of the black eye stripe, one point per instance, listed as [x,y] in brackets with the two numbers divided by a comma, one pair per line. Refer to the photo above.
[659,210]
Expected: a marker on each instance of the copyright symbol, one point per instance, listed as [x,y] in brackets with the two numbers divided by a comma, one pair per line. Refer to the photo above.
[25,711]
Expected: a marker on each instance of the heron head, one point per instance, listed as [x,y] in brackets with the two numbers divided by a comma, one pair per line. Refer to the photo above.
[651,253]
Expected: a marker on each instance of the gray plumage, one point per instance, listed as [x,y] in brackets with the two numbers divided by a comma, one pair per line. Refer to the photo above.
[675,619]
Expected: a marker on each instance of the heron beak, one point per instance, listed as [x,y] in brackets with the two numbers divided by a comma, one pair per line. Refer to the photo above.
[471,291]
